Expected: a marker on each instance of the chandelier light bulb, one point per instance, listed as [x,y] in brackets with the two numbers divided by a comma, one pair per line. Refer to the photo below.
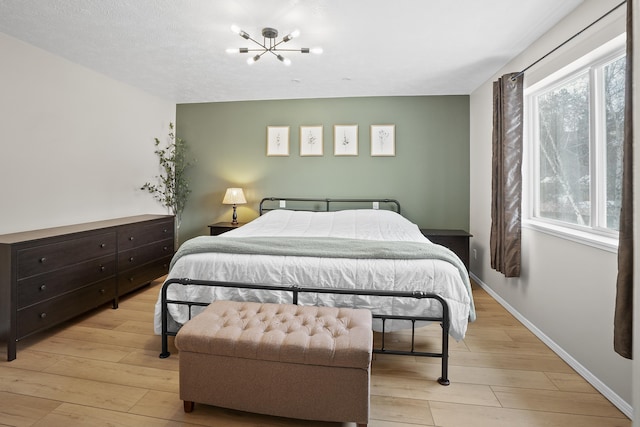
[316,50]
[253,59]
[239,31]
[284,60]
[292,35]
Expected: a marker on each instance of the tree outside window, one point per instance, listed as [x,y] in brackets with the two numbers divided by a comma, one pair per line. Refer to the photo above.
[578,135]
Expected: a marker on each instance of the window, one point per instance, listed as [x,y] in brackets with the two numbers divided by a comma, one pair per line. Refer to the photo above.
[575,134]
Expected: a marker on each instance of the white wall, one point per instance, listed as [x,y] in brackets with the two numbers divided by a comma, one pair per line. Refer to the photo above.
[75,145]
[566,292]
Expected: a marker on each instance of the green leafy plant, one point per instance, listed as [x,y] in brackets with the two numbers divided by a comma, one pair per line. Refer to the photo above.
[172,189]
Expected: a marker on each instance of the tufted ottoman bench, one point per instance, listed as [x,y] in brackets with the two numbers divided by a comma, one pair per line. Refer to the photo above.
[285,360]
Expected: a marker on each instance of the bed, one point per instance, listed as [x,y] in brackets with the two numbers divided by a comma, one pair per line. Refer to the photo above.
[324,252]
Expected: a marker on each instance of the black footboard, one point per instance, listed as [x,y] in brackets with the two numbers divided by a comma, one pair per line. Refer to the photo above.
[295,290]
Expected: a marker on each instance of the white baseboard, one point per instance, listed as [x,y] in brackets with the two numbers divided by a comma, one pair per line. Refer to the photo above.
[624,406]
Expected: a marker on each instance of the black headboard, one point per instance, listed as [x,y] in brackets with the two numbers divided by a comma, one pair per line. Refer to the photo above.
[326,205]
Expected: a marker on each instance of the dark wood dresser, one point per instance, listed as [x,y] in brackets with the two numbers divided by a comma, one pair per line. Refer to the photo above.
[51,275]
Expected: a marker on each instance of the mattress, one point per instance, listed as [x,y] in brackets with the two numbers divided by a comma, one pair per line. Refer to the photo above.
[443,276]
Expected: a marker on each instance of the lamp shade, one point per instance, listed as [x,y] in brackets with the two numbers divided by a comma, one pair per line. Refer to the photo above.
[234,196]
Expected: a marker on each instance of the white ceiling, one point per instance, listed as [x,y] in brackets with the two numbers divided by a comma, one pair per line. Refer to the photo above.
[175,49]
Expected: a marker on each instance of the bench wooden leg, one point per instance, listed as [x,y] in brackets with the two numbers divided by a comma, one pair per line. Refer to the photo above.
[188,406]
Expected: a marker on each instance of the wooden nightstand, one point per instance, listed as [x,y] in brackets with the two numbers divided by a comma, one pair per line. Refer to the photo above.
[456,240]
[223,227]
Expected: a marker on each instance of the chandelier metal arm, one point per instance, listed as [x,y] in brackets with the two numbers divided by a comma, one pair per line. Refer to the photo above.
[270,34]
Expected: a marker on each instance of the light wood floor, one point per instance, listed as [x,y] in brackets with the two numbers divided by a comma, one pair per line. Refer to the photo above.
[103,369]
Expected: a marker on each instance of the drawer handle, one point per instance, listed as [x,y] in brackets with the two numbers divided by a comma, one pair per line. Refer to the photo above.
[131,259]
[103,245]
[131,279]
[166,248]
[43,315]
[165,231]
[42,260]
[43,288]
[102,291]
[131,238]
[102,268]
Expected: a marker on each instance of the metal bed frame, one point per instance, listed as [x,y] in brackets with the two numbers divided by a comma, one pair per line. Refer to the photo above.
[324,205]
[295,290]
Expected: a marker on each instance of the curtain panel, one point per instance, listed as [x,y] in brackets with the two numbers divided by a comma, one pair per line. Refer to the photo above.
[506,185]
[623,319]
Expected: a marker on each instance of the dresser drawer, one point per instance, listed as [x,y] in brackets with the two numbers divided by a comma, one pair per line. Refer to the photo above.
[45,258]
[42,287]
[50,312]
[143,254]
[135,235]
[137,277]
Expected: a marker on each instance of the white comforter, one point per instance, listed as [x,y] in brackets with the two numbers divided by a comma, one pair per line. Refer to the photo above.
[434,276]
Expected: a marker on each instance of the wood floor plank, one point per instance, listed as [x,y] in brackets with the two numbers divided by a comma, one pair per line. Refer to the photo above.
[570,382]
[76,415]
[556,401]
[110,337]
[400,410]
[512,347]
[151,359]
[33,360]
[68,389]
[527,362]
[70,347]
[410,388]
[135,327]
[169,406]
[472,375]
[117,373]
[457,415]
[20,410]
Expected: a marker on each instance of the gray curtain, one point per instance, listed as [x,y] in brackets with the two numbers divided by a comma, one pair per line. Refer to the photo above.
[506,185]
[623,320]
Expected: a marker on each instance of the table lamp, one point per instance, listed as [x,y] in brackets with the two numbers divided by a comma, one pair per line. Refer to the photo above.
[234,196]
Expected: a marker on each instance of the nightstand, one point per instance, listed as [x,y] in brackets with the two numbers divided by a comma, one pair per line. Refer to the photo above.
[223,227]
[456,240]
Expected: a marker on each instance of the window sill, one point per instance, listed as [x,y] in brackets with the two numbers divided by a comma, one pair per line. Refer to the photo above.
[609,244]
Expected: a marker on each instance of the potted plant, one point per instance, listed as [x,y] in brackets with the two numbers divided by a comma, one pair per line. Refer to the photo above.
[172,189]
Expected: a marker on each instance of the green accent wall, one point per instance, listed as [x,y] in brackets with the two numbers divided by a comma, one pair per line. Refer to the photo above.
[429,174]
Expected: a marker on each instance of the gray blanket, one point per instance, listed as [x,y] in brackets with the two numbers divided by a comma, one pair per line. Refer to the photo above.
[325,247]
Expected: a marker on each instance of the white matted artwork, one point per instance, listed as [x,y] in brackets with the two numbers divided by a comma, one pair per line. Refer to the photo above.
[311,143]
[383,140]
[345,140]
[277,140]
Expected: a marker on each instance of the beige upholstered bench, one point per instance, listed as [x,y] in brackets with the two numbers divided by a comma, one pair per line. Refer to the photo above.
[285,360]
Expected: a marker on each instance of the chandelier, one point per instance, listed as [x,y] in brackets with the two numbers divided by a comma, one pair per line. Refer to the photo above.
[270,45]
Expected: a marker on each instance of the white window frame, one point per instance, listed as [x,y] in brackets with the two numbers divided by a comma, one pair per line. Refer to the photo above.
[593,235]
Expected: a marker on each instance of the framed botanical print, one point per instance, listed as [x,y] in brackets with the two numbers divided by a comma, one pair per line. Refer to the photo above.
[311,143]
[277,140]
[345,140]
[383,140]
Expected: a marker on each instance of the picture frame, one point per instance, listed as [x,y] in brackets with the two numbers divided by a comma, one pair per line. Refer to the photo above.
[383,140]
[345,140]
[311,141]
[277,140]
